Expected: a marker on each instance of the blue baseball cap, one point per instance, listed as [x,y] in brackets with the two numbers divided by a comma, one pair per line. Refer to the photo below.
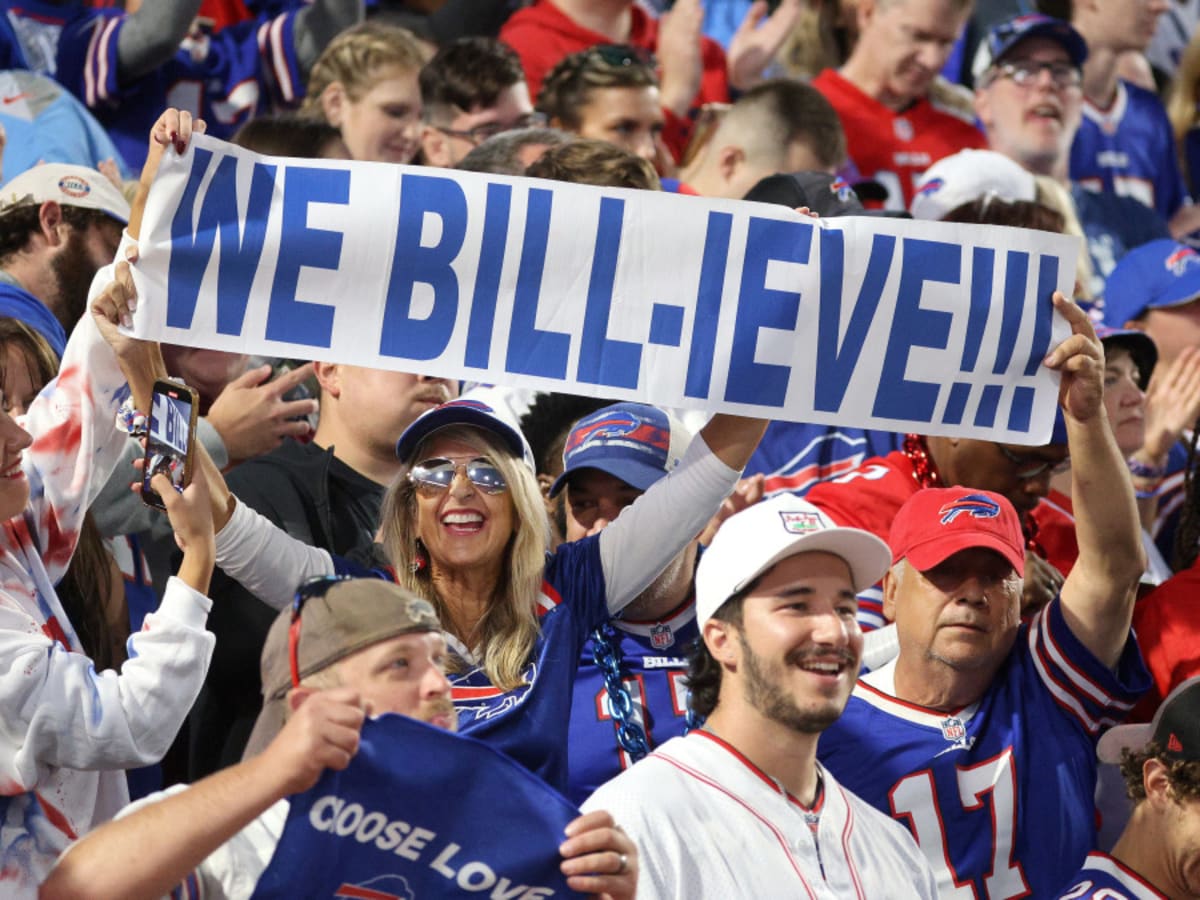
[19,304]
[632,441]
[1002,38]
[1156,275]
[463,411]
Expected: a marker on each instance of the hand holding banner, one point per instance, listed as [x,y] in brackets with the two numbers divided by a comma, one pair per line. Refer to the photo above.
[668,299]
[421,812]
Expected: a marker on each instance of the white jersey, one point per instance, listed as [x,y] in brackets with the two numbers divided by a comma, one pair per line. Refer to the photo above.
[709,823]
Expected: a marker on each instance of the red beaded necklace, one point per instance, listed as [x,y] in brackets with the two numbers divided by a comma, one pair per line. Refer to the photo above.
[924,471]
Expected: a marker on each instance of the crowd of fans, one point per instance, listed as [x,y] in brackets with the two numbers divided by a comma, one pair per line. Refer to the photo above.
[767,659]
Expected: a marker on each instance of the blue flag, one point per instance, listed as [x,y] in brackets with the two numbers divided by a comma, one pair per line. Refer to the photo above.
[421,813]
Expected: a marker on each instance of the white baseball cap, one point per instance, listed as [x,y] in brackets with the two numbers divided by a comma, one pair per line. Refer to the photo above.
[65,184]
[968,175]
[755,539]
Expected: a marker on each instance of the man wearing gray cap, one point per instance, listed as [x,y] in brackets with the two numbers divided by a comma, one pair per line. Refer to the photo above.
[741,807]
[58,225]
[344,650]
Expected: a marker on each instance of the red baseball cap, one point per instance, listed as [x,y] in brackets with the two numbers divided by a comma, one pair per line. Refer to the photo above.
[936,523]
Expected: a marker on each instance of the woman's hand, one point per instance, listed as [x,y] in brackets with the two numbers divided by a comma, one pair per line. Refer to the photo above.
[174,128]
[191,518]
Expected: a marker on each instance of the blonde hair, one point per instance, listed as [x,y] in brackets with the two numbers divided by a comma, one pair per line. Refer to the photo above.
[356,57]
[1052,194]
[1182,99]
[509,628]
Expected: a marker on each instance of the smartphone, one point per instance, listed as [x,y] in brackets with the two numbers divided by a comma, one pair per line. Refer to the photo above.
[171,438]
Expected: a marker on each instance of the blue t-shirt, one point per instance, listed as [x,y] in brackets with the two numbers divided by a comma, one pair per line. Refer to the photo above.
[653,668]
[1130,150]
[225,78]
[1113,225]
[999,795]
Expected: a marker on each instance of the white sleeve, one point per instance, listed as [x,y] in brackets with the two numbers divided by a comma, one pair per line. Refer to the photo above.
[651,532]
[268,561]
[59,711]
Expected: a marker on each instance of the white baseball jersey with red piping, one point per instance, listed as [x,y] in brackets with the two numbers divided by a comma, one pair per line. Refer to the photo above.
[707,822]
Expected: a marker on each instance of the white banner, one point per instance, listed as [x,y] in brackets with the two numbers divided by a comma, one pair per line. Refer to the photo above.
[673,300]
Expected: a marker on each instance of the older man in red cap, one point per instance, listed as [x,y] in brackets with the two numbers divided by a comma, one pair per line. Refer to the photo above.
[981,735]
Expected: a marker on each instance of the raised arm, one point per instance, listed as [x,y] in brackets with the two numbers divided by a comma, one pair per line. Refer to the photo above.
[160,843]
[150,36]
[658,525]
[318,24]
[1097,597]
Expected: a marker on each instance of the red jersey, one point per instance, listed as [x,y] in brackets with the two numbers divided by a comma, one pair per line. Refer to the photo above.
[1167,622]
[543,34]
[895,148]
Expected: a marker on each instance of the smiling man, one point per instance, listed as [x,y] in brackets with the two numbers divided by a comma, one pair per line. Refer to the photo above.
[981,735]
[742,808]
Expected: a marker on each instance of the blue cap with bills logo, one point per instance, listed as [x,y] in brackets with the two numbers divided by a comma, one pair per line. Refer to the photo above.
[463,411]
[1156,275]
[1002,38]
[757,538]
[632,441]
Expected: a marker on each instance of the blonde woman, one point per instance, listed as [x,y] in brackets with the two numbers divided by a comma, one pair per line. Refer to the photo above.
[365,85]
[1183,109]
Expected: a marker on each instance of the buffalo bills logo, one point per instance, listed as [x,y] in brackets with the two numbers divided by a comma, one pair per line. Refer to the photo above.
[1178,261]
[466,404]
[932,186]
[841,189]
[619,427]
[977,506]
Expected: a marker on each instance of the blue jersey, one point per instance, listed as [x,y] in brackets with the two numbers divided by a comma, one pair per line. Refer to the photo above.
[1103,878]
[1130,150]
[530,722]
[1113,225]
[44,122]
[794,456]
[225,78]
[999,795]
[653,667]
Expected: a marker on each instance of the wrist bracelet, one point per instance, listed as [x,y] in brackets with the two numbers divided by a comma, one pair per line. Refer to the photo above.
[1141,470]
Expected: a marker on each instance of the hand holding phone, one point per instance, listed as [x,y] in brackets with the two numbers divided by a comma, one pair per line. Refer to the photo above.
[171,438]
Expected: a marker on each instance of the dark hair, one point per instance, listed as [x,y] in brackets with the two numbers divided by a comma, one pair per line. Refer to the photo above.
[566,87]
[595,162]
[466,74]
[501,153]
[287,134]
[1187,531]
[990,209]
[704,672]
[20,223]
[1183,775]
[86,588]
[547,423]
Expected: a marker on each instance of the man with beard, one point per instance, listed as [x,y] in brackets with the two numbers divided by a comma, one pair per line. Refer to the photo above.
[981,735]
[58,225]
[347,649]
[326,493]
[742,808]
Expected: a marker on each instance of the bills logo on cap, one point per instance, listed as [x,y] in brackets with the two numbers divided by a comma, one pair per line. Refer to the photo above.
[801,522]
[626,429]
[74,186]
[661,636]
[469,404]
[1178,261]
[977,506]
[932,186]
[384,887]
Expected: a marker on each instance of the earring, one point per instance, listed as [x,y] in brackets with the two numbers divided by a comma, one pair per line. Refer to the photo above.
[420,560]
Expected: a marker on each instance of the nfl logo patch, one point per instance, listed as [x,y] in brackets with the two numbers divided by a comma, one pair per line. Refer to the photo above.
[953,729]
[661,637]
[800,522]
[903,129]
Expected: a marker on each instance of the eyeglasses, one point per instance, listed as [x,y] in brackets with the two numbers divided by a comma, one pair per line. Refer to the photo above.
[437,474]
[1030,467]
[621,55]
[314,587]
[1026,72]
[481,133]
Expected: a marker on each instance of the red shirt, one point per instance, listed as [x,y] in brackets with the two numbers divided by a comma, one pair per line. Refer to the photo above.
[1167,622]
[543,34]
[895,148]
